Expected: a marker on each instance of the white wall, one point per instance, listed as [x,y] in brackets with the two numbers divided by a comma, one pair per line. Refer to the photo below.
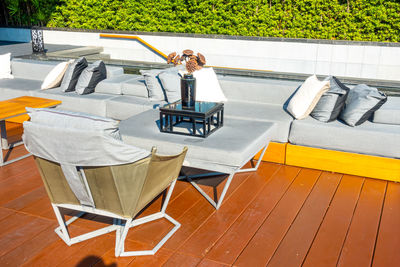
[360,61]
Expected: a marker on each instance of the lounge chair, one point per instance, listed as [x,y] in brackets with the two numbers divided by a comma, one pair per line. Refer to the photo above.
[86,168]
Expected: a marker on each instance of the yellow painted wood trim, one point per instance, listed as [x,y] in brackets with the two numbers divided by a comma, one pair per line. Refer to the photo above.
[275,153]
[132,37]
[343,162]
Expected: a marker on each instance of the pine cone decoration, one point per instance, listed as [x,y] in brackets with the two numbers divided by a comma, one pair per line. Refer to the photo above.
[192,61]
[187,52]
[170,57]
[201,59]
[176,60]
[191,66]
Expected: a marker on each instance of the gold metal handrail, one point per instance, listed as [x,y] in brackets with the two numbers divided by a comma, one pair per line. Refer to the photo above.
[140,40]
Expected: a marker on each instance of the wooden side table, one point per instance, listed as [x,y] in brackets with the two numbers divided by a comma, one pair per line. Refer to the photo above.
[16,107]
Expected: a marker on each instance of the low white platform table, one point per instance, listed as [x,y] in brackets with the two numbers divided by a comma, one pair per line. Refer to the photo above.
[225,151]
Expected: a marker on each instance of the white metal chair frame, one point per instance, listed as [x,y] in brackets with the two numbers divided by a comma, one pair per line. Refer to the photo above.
[217,204]
[121,230]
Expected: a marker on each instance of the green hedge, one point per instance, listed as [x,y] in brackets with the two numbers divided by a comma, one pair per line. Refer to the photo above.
[26,12]
[366,20]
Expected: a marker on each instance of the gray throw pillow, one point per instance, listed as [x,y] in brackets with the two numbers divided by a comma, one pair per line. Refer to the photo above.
[171,83]
[153,84]
[361,103]
[72,74]
[90,77]
[331,102]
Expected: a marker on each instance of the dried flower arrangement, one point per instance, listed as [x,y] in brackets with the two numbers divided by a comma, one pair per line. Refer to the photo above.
[188,57]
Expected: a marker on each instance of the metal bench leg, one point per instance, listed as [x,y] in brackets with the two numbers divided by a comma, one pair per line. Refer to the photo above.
[4,142]
[217,204]
[5,145]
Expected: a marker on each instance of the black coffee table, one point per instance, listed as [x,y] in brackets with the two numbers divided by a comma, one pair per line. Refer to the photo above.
[201,120]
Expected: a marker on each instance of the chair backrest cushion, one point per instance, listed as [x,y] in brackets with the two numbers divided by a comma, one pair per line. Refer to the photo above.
[74,140]
[77,138]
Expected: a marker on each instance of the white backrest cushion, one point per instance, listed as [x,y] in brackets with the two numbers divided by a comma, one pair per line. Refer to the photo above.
[5,66]
[70,119]
[55,76]
[78,139]
[306,97]
[207,86]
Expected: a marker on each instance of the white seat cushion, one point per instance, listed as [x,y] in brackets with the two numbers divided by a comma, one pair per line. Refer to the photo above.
[308,95]
[5,66]
[54,78]
[207,86]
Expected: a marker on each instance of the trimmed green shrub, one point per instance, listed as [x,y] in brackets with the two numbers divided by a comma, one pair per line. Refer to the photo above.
[26,12]
[359,20]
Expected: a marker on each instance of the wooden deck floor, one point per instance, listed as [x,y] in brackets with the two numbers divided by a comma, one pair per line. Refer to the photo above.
[279,216]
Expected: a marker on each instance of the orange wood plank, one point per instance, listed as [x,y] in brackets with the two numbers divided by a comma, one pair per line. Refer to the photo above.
[329,240]
[211,263]
[155,260]
[190,221]
[16,106]
[14,128]
[150,233]
[153,232]
[41,208]
[18,120]
[13,222]
[359,246]
[156,205]
[295,245]
[264,243]
[387,251]
[57,252]
[8,176]
[15,169]
[208,234]
[90,254]
[252,218]
[109,259]
[5,213]
[198,214]
[343,162]
[26,199]
[276,152]
[178,259]
[29,249]
[27,231]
